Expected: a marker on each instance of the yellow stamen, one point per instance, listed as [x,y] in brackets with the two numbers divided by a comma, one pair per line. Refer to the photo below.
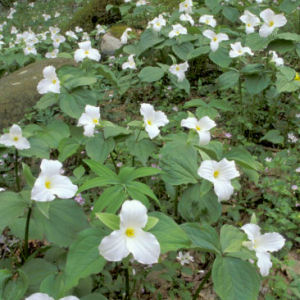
[271,23]
[95,121]
[177,68]
[249,25]
[216,174]
[215,39]
[297,77]
[177,32]
[158,24]
[86,52]
[185,5]
[16,138]
[207,22]
[149,122]
[48,184]
[54,81]
[198,127]
[130,232]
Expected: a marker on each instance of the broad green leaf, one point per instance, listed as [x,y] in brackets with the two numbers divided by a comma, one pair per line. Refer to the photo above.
[83,257]
[47,100]
[169,234]
[15,287]
[274,136]
[53,285]
[231,239]
[144,172]
[183,51]
[112,221]
[231,13]
[112,131]
[253,69]
[228,79]
[67,147]
[93,183]
[143,188]
[213,5]
[4,275]
[151,74]
[256,83]
[256,43]
[74,82]
[29,178]
[220,57]
[235,279]
[147,40]
[204,237]
[102,171]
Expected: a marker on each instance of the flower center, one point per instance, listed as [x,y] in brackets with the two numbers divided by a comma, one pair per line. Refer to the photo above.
[185,5]
[177,68]
[47,184]
[240,52]
[149,122]
[16,138]
[86,52]
[249,25]
[207,21]
[130,232]
[216,174]
[198,127]
[54,81]
[215,39]
[158,24]
[95,121]
[177,32]
[297,77]
[271,23]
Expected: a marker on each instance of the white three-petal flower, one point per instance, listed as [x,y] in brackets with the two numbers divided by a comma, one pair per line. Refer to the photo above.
[86,50]
[50,83]
[220,174]
[201,126]
[215,38]
[262,244]
[153,119]
[238,50]
[250,20]
[42,296]
[179,70]
[276,59]
[177,30]
[89,119]
[51,183]
[130,64]
[271,21]
[208,20]
[15,138]
[131,238]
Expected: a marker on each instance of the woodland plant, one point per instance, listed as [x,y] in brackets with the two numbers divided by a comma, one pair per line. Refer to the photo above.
[173,194]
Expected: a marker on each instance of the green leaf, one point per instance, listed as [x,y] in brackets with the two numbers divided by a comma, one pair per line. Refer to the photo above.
[53,285]
[253,69]
[74,82]
[147,40]
[255,42]
[231,13]
[152,221]
[204,237]
[183,50]
[169,234]
[95,182]
[93,145]
[67,147]
[29,178]
[110,220]
[231,239]
[112,131]
[16,286]
[235,279]
[143,172]
[151,74]
[12,206]
[4,275]
[213,5]
[220,57]
[102,171]
[274,136]
[83,257]
[37,270]
[79,172]
[198,204]
[46,101]
[256,83]
[108,74]
[228,79]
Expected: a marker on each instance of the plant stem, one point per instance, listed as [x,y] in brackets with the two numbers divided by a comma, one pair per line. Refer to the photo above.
[26,234]
[127,297]
[176,203]
[200,287]
[17,170]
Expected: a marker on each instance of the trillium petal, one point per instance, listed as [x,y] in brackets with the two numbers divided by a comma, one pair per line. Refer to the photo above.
[271,241]
[22,144]
[79,55]
[43,86]
[209,34]
[206,170]
[89,130]
[153,131]
[280,20]
[6,140]
[265,30]
[51,167]
[84,119]
[222,37]
[69,298]
[85,45]
[144,247]
[93,111]
[204,137]
[49,72]
[160,119]
[39,296]
[133,214]
[264,262]
[223,189]
[39,191]
[147,111]
[15,130]
[63,187]
[207,123]
[190,123]
[94,54]
[267,15]
[252,231]
[113,247]
[214,46]
[227,169]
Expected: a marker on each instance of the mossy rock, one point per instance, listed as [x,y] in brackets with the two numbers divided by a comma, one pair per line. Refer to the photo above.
[93,13]
[18,91]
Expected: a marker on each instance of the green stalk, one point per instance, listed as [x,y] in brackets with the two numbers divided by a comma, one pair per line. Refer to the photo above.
[26,234]
[200,287]
[127,289]
[176,203]
[17,170]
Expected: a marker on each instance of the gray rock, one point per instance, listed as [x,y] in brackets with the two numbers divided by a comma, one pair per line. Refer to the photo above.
[18,91]
[109,44]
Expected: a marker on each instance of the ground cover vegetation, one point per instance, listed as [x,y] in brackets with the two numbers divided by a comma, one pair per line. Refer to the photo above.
[159,159]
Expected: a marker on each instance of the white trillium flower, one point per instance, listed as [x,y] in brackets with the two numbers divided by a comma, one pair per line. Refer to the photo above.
[42,296]
[57,14]
[250,20]
[153,119]
[262,244]
[141,3]
[50,83]
[51,183]
[46,17]
[130,64]
[124,37]
[2,189]
[15,138]
[202,127]
[30,49]
[185,258]
[208,20]
[271,21]
[78,29]
[85,36]
[100,29]
[177,30]
[89,119]
[179,70]
[52,54]
[187,18]
[215,38]
[186,6]
[157,23]
[220,174]
[131,238]
[54,30]
[275,59]
[57,40]
[71,34]
[86,50]
[238,50]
